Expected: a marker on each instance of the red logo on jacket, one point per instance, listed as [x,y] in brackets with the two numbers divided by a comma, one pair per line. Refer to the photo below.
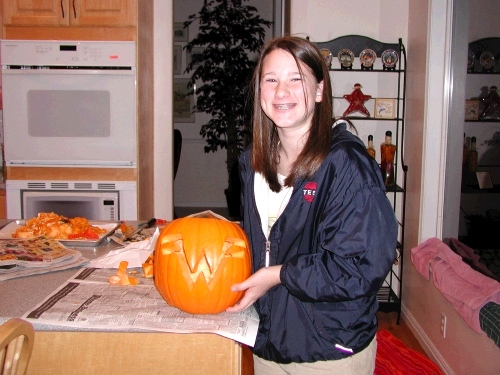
[309,191]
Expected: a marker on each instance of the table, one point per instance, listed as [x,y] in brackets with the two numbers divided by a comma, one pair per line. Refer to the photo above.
[59,350]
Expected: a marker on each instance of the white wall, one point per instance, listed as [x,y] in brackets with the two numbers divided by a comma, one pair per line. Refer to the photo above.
[202,178]
[322,20]
[163,186]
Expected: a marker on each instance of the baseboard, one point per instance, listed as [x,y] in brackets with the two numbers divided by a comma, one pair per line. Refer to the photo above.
[425,342]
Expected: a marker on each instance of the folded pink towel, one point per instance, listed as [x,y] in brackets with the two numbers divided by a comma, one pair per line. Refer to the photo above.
[466,289]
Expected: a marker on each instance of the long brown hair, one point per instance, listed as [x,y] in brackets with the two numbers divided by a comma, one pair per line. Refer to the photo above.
[265,155]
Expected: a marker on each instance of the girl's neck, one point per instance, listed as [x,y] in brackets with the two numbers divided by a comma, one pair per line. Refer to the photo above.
[289,148]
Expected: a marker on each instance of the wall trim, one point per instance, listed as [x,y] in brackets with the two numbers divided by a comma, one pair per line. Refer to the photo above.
[424,340]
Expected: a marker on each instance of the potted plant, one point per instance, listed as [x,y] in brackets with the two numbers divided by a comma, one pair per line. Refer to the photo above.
[228,33]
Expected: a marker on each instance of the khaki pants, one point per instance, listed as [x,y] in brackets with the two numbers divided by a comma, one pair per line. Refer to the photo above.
[362,363]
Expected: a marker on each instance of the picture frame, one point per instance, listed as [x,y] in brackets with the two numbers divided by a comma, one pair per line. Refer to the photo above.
[385,108]
[194,51]
[177,59]
[484,180]
[183,104]
[181,34]
[471,109]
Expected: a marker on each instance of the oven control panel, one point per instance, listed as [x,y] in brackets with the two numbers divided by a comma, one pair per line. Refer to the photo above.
[46,53]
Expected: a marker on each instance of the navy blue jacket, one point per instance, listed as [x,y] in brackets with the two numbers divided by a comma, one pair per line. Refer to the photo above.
[336,242]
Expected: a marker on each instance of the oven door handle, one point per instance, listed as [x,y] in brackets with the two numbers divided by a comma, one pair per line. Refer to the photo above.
[69,72]
[49,72]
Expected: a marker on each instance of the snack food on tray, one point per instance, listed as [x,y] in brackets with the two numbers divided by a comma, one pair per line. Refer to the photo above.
[58,227]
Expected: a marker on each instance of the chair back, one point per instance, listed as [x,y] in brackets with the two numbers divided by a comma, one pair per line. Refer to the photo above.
[16,344]
[177,149]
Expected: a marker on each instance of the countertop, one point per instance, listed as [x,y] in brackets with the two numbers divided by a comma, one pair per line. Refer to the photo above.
[19,295]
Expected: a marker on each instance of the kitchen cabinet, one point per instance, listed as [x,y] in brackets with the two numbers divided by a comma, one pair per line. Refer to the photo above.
[137,353]
[70,19]
[384,111]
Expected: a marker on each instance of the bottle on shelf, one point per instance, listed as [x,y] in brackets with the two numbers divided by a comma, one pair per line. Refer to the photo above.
[472,156]
[371,151]
[465,158]
[387,153]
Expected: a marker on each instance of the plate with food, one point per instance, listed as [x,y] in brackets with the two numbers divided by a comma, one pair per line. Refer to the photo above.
[76,231]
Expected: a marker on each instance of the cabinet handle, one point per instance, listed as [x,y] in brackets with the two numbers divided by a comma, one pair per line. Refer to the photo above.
[74,8]
[62,9]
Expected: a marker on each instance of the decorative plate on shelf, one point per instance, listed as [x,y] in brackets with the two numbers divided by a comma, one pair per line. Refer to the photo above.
[487,60]
[389,58]
[367,57]
[346,57]
[328,57]
[471,60]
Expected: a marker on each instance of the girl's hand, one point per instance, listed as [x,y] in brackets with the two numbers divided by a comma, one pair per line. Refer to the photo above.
[255,286]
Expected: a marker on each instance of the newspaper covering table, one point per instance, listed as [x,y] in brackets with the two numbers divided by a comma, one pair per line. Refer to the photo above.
[88,300]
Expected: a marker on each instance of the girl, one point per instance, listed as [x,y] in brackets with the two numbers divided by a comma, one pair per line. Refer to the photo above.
[322,231]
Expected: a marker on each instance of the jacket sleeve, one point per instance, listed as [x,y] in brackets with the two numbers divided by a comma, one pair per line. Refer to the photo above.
[354,241]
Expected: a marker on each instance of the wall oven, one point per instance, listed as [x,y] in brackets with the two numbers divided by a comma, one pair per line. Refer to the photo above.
[69,105]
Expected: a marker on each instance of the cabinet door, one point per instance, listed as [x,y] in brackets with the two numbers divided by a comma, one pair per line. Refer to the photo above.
[35,12]
[110,13]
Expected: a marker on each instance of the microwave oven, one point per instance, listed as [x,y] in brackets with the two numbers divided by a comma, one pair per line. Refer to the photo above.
[111,200]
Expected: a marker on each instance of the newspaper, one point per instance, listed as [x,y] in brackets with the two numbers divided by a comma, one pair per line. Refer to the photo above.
[33,256]
[33,252]
[87,300]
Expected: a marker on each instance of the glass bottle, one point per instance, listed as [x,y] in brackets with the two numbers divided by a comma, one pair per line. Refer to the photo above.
[387,153]
[472,155]
[371,151]
[465,158]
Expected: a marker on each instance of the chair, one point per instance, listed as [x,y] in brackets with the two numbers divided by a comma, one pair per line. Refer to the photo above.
[177,155]
[16,344]
[177,149]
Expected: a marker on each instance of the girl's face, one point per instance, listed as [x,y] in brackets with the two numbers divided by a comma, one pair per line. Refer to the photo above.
[286,96]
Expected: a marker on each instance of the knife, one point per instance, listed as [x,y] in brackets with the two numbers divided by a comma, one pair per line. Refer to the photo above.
[139,228]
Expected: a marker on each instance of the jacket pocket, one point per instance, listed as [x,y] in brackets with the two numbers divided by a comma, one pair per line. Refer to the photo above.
[333,319]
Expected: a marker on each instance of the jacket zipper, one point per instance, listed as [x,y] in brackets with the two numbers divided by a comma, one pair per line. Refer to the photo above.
[268,252]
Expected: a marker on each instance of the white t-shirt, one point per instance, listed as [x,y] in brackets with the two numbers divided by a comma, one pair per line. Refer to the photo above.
[270,204]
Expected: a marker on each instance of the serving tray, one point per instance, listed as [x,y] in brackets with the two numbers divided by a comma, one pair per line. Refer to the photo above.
[110,227]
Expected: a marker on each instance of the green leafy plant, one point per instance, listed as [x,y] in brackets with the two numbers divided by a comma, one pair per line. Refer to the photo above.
[229,32]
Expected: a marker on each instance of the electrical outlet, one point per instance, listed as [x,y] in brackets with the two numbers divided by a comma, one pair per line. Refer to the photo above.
[443,325]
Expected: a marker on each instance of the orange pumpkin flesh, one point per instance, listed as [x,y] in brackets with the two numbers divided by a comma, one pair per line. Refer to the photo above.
[197,260]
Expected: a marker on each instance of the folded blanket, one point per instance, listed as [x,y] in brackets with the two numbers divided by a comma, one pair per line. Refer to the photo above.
[466,289]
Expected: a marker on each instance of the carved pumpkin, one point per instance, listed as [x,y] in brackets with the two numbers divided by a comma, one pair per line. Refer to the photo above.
[197,260]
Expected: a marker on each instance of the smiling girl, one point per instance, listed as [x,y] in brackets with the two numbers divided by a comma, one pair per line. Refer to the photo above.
[322,231]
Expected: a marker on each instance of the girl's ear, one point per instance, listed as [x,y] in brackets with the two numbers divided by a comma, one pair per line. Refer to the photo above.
[319,92]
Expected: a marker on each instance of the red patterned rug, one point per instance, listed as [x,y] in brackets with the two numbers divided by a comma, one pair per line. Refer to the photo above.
[394,358]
